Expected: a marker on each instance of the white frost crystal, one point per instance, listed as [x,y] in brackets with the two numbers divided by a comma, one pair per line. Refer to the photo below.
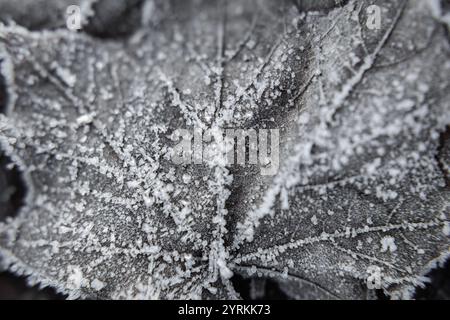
[97,285]
[388,244]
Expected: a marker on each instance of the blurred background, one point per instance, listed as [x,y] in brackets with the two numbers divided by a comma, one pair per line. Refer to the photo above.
[117,22]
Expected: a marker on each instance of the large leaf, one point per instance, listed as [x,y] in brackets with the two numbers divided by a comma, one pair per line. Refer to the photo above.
[361,183]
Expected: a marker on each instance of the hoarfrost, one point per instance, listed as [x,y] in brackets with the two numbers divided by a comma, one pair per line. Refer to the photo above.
[108,215]
[388,244]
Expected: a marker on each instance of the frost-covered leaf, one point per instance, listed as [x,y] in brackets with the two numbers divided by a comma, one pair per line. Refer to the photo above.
[362,179]
[363,188]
